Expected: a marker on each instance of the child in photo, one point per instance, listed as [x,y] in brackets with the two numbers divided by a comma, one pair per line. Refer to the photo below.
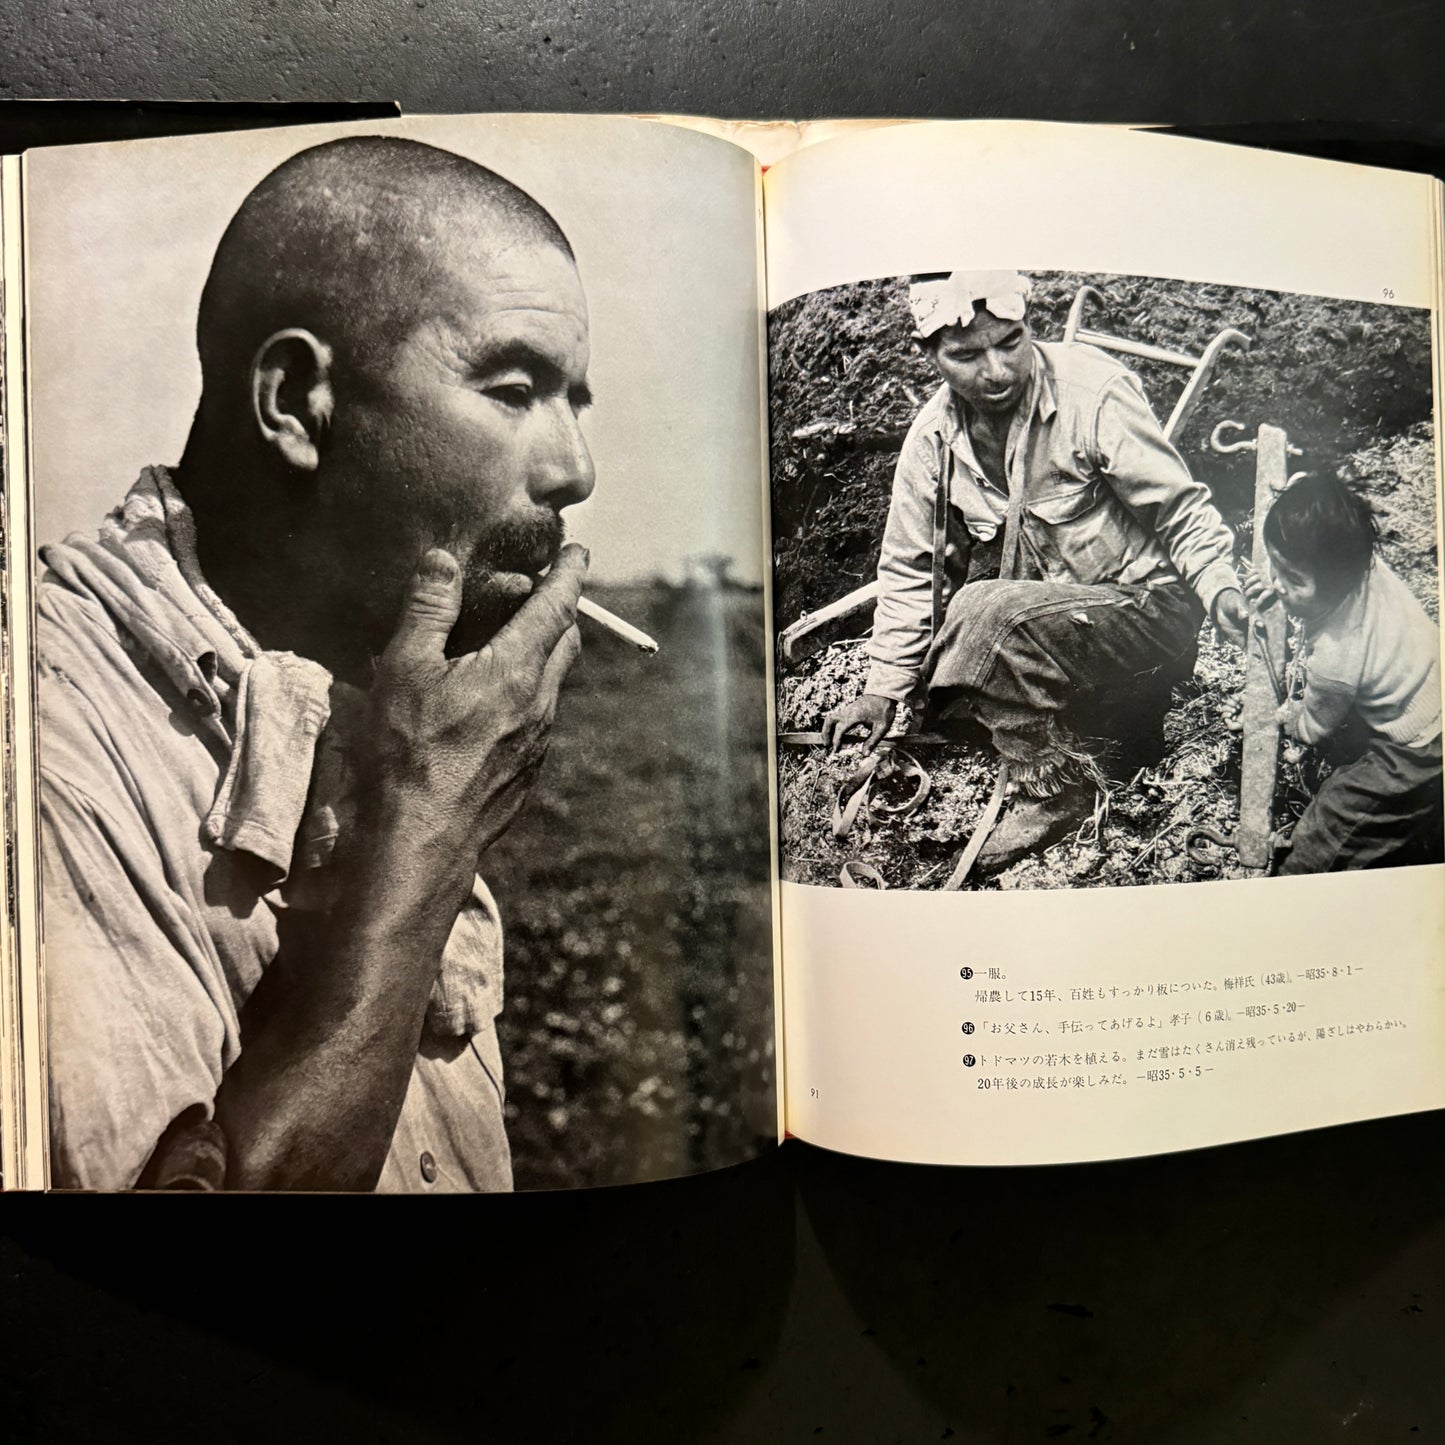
[1365,681]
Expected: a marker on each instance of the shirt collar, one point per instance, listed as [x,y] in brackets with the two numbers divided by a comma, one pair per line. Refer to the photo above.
[284,729]
[1046,396]
[265,709]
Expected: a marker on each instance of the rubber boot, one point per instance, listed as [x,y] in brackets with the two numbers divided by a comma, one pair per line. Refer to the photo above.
[1029,825]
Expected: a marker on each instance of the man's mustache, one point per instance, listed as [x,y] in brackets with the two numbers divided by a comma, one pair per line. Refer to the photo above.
[493,581]
[527,544]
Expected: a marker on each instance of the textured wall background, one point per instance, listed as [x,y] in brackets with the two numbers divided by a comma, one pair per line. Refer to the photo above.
[1230,60]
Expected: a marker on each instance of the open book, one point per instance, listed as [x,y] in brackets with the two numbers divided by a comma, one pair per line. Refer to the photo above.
[1007,721]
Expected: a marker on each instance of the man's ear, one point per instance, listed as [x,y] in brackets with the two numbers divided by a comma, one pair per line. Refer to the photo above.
[291,395]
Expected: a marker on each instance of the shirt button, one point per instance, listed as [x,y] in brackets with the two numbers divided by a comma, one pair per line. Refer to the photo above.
[198,702]
[428,1167]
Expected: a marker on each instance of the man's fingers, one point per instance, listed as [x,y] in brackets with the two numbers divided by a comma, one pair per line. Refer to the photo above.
[1232,631]
[428,611]
[841,721]
[546,615]
[568,647]
[838,724]
[1231,615]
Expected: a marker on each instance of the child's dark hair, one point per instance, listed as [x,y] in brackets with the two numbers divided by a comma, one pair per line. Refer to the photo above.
[1320,526]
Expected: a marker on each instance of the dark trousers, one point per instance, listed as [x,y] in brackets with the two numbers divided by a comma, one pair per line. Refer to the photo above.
[1038,663]
[1382,810]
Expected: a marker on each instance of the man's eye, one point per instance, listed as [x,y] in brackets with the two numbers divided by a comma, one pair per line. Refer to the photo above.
[511,393]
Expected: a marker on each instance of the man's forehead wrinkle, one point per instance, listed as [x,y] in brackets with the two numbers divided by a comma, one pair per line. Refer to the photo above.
[983,331]
[473,321]
[475,242]
[514,287]
[439,337]
[477,351]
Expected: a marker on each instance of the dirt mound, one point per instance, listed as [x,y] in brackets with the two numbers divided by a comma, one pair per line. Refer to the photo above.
[1397,477]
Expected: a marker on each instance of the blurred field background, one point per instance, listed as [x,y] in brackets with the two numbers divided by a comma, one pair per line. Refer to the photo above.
[638,1028]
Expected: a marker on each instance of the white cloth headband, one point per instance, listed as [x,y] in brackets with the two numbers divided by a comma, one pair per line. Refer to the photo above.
[936,304]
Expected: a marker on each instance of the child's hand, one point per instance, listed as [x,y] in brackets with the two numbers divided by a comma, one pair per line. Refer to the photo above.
[1259,592]
[1287,716]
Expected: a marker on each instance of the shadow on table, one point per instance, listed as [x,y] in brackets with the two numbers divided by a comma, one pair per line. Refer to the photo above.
[1153,1299]
[618,1314]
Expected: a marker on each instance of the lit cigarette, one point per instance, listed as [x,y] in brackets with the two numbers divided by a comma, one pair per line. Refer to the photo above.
[616,626]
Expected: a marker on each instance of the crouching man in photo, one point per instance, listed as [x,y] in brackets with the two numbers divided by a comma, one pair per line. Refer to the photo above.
[1038,475]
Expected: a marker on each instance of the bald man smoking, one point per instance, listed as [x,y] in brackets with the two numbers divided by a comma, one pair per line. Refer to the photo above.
[1038,476]
[299,684]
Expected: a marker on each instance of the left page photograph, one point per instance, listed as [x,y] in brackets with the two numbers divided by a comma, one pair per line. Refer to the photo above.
[371,857]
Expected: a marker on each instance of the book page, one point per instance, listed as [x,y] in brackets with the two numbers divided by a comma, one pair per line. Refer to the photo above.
[9,993]
[772,140]
[400,353]
[1112,879]
[22,1120]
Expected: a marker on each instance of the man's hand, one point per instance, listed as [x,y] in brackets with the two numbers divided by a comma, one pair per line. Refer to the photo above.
[870,711]
[457,743]
[1231,615]
[450,754]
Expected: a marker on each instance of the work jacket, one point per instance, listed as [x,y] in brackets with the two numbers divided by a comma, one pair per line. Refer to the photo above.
[1104,498]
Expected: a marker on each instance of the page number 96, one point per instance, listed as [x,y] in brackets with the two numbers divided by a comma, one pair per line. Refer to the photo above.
[1389,293]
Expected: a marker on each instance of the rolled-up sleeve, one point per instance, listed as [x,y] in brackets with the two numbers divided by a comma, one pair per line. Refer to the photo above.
[1151,479]
[1324,709]
[902,623]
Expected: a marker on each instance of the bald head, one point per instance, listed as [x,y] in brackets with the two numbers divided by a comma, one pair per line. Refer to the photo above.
[349,240]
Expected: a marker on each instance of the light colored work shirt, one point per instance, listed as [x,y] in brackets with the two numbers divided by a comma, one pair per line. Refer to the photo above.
[191,791]
[1106,498]
[1374,658]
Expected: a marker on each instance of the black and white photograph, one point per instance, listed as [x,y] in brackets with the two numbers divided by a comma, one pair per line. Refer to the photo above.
[1090,580]
[400,658]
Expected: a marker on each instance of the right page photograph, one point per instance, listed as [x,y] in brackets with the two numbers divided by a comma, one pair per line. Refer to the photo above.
[1092,667]
[1105,535]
